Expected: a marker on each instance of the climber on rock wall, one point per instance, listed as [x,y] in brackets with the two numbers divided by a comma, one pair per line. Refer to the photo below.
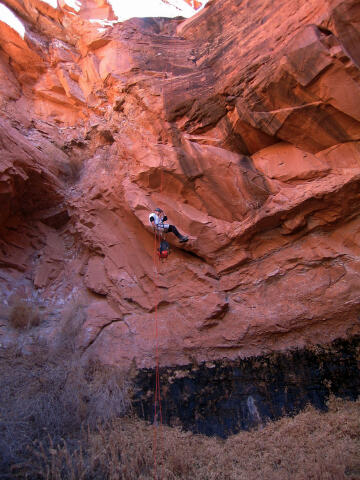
[157,219]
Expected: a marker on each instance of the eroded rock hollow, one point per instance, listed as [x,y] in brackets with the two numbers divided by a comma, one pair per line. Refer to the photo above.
[242,123]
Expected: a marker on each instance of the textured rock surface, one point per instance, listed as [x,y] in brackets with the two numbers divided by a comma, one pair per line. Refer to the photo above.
[221,398]
[242,123]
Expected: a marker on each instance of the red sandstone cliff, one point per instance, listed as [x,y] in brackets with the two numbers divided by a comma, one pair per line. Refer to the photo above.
[242,122]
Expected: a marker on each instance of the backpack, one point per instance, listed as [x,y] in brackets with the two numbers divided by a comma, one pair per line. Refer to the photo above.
[164,249]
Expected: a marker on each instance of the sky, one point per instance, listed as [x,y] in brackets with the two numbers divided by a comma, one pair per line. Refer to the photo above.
[123,9]
[8,17]
[150,8]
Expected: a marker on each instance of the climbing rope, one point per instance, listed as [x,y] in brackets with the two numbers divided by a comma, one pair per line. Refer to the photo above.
[158,419]
[157,396]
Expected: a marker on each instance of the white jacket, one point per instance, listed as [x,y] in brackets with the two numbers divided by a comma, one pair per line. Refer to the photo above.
[158,223]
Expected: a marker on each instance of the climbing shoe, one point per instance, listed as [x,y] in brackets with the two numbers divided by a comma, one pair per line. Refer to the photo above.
[183,239]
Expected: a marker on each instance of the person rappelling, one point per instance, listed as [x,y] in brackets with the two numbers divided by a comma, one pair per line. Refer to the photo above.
[157,219]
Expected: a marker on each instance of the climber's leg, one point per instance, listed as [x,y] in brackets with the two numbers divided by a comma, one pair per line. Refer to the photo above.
[175,231]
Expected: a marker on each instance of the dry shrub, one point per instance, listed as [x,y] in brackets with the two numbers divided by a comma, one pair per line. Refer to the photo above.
[108,392]
[73,317]
[70,170]
[62,420]
[24,315]
[312,445]
[120,449]
[44,401]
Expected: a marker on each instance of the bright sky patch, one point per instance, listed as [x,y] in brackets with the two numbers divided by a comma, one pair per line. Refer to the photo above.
[125,9]
[74,4]
[52,3]
[10,19]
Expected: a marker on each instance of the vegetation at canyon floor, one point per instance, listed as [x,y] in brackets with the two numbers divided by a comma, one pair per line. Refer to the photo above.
[61,420]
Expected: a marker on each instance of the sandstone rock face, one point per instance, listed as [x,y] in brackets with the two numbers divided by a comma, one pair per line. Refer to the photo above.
[242,123]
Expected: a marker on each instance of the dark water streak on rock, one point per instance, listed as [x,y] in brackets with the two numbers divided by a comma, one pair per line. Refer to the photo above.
[223,397]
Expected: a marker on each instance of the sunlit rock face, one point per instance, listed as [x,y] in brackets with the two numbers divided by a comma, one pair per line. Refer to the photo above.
[242,123]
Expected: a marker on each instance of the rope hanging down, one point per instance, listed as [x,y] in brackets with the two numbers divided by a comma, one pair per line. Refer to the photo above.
[157,397]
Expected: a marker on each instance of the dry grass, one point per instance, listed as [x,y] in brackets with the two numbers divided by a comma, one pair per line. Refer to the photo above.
[312,445]
[23,315]
[62,420]
[45,401]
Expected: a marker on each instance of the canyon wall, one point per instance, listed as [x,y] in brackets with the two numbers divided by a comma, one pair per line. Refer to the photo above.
[242,123]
